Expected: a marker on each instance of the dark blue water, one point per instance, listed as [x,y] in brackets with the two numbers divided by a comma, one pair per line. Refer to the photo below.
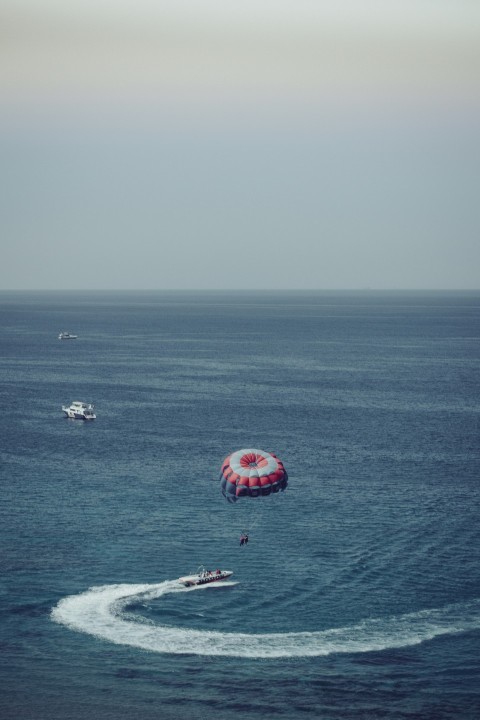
[358,595]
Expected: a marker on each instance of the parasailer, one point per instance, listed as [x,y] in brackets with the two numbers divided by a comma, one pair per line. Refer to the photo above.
[251,473]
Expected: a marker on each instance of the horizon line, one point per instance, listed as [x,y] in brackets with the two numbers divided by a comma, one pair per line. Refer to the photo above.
[241,290]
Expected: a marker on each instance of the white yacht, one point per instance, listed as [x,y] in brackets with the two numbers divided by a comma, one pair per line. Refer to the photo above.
[79,411]
[202,577]
[67,336]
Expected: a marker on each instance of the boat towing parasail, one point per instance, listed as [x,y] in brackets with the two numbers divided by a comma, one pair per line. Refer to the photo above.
[202,577]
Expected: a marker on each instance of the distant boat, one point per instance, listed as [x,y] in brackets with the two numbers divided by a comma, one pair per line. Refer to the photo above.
[79,411]
[67,336]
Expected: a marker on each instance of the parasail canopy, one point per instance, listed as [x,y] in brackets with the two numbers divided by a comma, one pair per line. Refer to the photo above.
[252,472]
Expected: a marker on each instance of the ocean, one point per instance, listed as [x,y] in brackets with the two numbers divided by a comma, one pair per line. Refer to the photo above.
[358,594]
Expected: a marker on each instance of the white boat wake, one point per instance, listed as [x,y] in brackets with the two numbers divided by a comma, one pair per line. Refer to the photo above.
[103,613]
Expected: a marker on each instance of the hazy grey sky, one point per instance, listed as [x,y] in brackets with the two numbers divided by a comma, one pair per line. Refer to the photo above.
[218,144]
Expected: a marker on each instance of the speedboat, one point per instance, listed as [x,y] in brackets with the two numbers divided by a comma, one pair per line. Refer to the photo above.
[67,336]
[79,411]
[202,577]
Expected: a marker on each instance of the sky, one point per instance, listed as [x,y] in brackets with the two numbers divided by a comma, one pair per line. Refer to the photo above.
[212,144]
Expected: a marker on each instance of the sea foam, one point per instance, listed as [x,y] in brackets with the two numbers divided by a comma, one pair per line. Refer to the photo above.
[103,612]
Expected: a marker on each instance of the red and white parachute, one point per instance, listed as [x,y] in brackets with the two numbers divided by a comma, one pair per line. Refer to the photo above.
[252,472]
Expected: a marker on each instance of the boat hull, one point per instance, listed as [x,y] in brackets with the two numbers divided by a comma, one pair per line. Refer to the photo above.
[77,416]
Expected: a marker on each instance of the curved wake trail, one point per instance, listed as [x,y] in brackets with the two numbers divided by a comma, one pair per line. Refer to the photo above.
[101,611]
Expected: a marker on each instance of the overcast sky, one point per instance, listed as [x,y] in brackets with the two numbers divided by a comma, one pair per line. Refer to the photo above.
[222,144]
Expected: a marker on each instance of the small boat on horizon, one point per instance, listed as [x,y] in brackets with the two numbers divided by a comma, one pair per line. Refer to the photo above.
[67,336]
[202,577]
[79,411]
